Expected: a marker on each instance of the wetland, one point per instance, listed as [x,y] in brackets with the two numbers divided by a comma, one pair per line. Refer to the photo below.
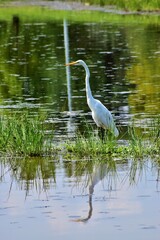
[57,178]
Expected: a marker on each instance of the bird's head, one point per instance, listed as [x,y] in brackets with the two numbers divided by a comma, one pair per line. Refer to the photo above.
[82,63]
[78,62]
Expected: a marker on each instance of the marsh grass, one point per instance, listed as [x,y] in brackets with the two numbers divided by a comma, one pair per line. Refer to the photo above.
[23,135]
[92,145]
[140,144]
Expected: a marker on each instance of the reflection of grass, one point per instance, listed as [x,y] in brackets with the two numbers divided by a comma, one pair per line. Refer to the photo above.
[23,135]
[37,172]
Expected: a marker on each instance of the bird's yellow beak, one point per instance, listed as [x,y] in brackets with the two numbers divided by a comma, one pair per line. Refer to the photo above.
[71,63]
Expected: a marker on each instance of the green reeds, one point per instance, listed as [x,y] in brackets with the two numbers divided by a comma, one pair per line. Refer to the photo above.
[25,135]
[92,145]
[140,144]
[22,135]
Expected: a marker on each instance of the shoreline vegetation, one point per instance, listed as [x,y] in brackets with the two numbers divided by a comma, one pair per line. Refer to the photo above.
[22,135]
[47,11]
[114,6]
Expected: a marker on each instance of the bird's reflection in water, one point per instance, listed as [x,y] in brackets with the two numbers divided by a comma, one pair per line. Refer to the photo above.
[85,219]
[97,175]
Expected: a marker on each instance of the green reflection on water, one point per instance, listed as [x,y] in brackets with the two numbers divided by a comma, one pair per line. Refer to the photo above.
[123,59]
[41,173]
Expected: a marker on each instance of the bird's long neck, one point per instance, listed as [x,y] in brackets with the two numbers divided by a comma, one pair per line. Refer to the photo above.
[90,98]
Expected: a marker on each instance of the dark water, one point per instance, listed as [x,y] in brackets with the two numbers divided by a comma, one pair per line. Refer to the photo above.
[123,60]
[55,198]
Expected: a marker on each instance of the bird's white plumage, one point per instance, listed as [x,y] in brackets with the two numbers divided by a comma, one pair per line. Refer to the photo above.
[101,115]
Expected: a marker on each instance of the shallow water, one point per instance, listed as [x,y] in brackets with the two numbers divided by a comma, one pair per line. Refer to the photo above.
[55,198]
[78,200]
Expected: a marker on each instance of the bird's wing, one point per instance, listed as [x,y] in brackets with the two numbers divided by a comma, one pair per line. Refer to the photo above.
[102,116]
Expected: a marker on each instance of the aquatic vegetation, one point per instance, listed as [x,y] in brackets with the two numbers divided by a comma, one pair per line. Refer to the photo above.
[23,135]
[138,145]
[92,145]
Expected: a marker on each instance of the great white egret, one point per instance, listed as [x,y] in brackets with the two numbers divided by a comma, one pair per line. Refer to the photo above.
[101,115]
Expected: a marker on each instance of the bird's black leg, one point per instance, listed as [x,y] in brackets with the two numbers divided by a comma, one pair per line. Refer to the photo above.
[102,134]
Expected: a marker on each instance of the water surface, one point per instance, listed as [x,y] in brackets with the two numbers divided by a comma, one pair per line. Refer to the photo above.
[123,60]
[78,199]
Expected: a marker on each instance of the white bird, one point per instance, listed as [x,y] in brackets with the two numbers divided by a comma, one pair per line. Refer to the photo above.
[101,115]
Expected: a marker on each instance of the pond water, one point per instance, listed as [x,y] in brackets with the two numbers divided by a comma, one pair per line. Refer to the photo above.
[79,199]
[123,60]
[55,198]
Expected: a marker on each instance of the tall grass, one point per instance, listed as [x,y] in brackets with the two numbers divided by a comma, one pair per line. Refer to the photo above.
[92,145]
[138,145]
[23,135]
